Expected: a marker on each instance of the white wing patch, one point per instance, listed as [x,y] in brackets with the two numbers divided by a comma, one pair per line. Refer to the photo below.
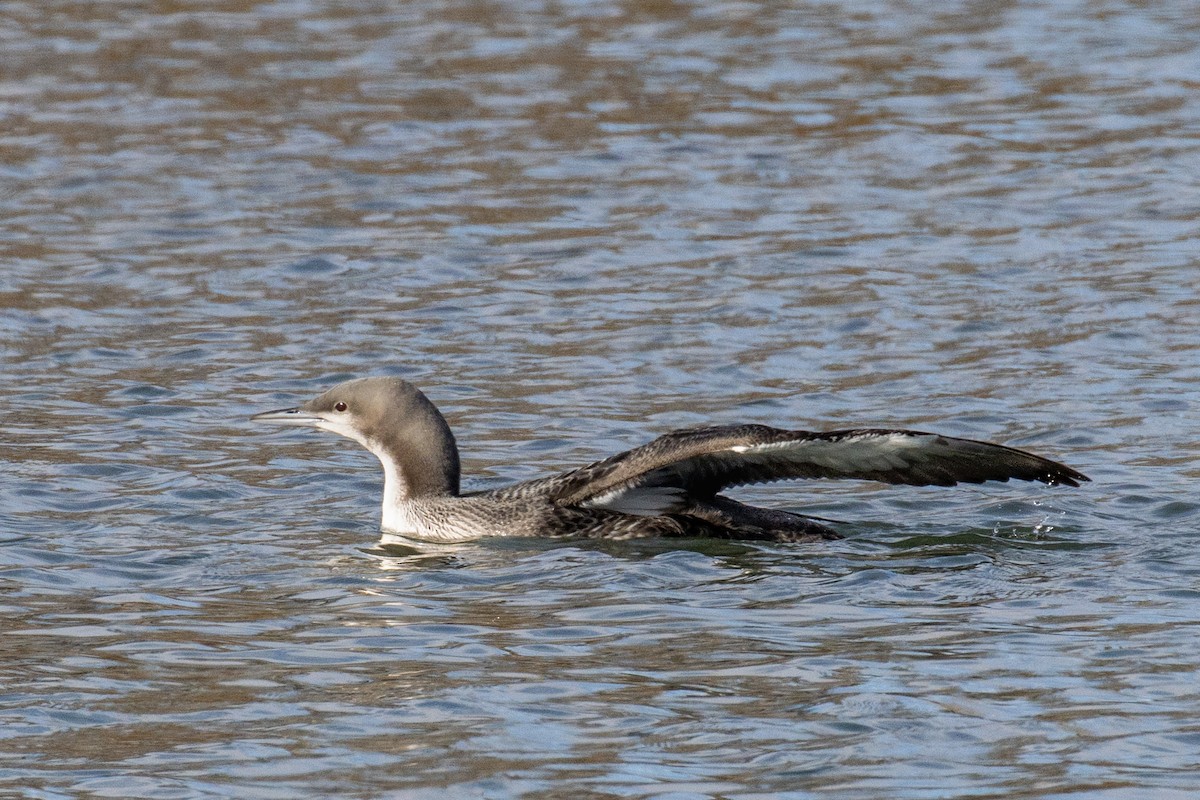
[642,501]
[866,452]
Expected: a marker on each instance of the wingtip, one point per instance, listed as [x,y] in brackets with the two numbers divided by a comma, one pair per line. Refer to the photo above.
[1065,476]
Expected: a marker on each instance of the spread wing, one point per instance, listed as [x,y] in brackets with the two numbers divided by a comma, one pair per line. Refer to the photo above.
[676,470]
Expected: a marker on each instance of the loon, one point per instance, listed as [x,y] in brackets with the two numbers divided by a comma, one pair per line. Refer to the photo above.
[669,487]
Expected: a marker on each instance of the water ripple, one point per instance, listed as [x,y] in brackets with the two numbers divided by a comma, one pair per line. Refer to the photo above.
[579,226]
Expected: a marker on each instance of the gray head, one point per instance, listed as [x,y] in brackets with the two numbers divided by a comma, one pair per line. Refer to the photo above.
[395,421]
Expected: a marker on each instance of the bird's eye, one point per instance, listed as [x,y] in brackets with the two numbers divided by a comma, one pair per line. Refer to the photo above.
[339,406]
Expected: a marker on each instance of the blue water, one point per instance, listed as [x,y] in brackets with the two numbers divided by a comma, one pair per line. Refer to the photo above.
[578,227]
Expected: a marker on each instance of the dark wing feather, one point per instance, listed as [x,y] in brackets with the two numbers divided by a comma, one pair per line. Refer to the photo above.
[699,462]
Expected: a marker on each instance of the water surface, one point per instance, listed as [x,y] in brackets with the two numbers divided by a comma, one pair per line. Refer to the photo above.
[578,226]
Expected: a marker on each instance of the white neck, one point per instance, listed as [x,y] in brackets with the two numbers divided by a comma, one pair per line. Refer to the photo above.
[396,516]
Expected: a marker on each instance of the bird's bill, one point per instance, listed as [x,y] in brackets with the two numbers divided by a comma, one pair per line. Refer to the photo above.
[289,416]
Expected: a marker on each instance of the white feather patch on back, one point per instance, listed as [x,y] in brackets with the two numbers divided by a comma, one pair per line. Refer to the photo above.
[643,501]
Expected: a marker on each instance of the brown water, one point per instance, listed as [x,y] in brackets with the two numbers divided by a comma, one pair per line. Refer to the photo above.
[579,225]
